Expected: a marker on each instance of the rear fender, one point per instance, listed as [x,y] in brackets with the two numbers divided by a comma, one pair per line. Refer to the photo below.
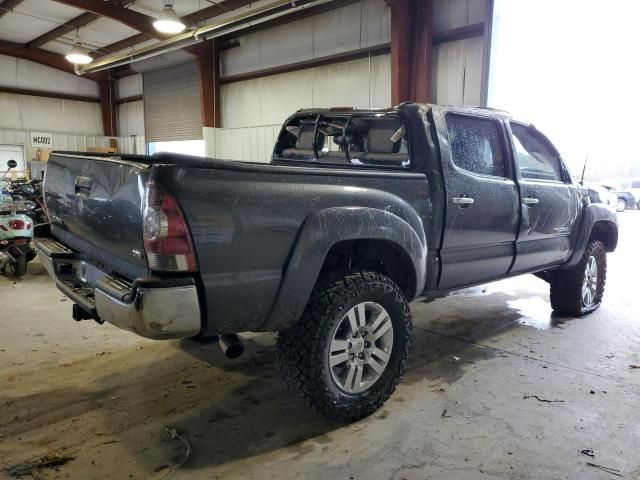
[324,228]
[595,218]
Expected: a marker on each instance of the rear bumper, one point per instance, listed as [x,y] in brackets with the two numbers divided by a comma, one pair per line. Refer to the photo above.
[151,307]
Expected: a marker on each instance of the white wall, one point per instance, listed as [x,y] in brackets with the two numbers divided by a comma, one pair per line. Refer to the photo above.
[24,112]
[61,141]
[457,66]
[129,86]
[247,144]
[345,29]
[457,72]
[75,125]
[19,73]
[131,114]
[270,100]
[448,14]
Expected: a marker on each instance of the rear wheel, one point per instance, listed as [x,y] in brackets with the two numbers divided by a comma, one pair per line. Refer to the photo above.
[19,268]
[621,205]
[347,353]
[578,291]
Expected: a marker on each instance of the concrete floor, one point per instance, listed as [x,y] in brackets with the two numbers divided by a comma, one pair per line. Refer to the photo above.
[465,409]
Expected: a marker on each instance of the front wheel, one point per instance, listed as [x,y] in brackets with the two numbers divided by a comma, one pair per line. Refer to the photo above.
[349,349]
[621,205]
[578,291]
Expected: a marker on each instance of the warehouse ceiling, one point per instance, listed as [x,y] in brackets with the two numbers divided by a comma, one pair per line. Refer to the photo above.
[43,27]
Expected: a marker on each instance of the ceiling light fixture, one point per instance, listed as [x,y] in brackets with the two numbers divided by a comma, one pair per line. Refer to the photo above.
[168,21]
[78,54]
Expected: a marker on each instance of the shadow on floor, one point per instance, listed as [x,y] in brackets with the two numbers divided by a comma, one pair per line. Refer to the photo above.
[231,410]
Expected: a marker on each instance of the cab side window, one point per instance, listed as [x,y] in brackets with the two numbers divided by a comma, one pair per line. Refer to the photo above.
[476,145]
[535,158]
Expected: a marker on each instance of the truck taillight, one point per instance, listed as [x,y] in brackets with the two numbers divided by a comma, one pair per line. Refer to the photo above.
[16,224]
[167,241]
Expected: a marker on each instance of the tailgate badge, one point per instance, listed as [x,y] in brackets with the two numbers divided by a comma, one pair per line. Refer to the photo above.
[136,253]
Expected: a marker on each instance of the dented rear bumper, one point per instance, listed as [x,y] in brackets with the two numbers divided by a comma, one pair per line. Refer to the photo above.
[151,307]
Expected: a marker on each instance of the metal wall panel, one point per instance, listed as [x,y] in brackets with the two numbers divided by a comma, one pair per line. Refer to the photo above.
[19,73]
[449,14]
[61,141]
[270,100]
[457,72]
[24,112]
[131,118]
[172,104]
[247,144]
[345,29]
[130,86]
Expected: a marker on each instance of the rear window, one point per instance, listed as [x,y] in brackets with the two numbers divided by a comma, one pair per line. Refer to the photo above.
[378,140]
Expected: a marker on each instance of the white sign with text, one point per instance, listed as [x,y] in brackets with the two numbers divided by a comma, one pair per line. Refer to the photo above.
[41,140]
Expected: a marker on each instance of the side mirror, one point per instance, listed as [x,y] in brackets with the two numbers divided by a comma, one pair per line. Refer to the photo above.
[12,164]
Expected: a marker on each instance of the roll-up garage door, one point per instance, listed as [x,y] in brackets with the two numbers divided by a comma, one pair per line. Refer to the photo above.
[172,104]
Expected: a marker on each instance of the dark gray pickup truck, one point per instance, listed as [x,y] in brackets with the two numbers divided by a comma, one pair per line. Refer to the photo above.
[358,213]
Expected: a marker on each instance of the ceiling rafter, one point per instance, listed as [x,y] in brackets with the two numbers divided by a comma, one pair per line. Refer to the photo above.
[81,20]
[69,26]
[190,20]
[113,9]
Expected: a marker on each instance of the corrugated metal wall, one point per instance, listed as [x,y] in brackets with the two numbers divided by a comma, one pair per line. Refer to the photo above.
[247,144]
[250,107]
[360,25]
[270,100]
[457,66]
[18,73]
[61,141]
[131,114]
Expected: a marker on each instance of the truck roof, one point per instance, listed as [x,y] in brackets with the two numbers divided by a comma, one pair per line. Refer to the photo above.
[458,108]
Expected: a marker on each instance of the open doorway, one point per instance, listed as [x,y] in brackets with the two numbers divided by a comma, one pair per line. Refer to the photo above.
[12,152]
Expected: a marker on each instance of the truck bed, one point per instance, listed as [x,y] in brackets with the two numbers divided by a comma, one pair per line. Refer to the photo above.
[245,220]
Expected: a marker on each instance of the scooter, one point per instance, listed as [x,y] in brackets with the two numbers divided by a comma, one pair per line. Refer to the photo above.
[16,232]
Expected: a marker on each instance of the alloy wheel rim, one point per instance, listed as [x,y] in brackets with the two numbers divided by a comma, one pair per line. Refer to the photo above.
[361,346]
[590,283]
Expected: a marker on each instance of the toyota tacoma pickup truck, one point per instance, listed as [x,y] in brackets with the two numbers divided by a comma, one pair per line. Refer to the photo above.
[358,213]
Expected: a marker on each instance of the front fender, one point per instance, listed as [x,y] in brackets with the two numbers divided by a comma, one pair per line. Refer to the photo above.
[591,215]
[323,229]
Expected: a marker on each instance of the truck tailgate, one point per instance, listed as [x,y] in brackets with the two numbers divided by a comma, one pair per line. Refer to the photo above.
[95,207]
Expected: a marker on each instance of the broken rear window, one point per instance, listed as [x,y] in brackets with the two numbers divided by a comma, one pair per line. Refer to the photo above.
[345,139]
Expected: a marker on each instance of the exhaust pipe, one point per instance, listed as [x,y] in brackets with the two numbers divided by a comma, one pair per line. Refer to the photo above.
[231,345]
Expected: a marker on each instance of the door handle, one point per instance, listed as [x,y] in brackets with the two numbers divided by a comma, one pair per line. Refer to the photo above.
[463,201]
[530,201]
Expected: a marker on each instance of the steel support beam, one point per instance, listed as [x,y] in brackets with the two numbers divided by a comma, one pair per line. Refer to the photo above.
[311,63]
[107,89]
[460,33]
[209,70]
[69,26]
[45,94]
[411,50]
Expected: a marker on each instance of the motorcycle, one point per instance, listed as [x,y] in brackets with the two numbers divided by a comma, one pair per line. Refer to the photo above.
[16,231]
[29,195]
